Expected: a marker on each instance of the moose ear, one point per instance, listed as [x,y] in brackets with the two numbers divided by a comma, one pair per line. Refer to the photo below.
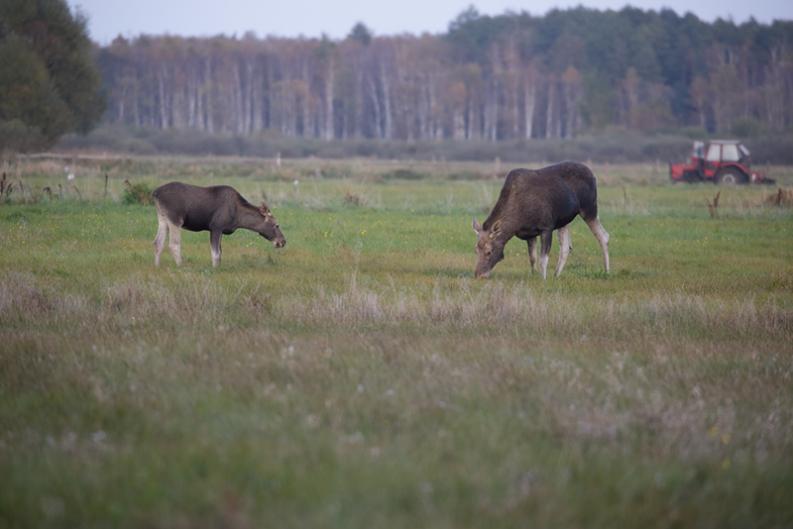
[477,227]
[263,209]
[495,228]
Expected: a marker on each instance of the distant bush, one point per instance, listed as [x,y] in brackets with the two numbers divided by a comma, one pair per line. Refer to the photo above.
[772,149]
[404,174]
[16,136]
[748,128]
[466,175]
[138,193]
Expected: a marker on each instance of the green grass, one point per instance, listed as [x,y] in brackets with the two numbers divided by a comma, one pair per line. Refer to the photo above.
[361,377]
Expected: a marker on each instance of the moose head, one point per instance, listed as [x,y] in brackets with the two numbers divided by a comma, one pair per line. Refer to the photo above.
[269,228]
[489,247]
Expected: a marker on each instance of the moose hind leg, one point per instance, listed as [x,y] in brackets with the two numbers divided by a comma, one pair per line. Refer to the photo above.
[175,242]
[532,253]
[602,236]
[546,238]
[159,239]
[214,245]
[564,249]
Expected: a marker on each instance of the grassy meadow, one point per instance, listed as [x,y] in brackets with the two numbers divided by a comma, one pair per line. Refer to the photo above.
[360,377]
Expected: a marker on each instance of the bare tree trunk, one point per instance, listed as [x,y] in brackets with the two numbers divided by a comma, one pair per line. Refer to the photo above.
[357,111]
[249,80]
[191,102]
[491,113]
[549,112]
[256,100]
[386,103]
[529,98]
[515,105]
[122,99]
[237,97]
[267,96]
[136,109]
[435,130]
[161,91]
[209,106]
[329,117]
[458,125]
[199,104]
[469,120]
[375,107]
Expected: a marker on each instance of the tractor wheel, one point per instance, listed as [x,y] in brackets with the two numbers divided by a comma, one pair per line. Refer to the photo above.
[731,176]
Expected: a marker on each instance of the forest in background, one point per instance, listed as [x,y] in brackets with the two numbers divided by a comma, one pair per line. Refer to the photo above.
[488,78]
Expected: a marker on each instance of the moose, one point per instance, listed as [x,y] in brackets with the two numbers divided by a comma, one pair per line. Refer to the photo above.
[221,210]
[534,203]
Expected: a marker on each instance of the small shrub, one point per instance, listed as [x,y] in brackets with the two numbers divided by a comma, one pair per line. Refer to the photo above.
[782,198]
[138,193]
[351,199]
[404,174]
[467,176]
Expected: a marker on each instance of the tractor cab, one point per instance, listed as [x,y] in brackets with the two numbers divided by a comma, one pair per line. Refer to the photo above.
[718,161]
[724,151]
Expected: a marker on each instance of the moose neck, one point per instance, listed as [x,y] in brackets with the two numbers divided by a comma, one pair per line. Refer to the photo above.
[505,231]
[503,237]
[248,217]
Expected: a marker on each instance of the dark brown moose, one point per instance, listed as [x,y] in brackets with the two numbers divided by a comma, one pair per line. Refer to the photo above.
[217,209]
[534,203]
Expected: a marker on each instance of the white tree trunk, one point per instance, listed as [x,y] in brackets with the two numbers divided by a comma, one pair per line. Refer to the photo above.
[529,98]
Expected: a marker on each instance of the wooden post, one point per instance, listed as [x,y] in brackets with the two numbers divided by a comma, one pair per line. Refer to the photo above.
[713,207]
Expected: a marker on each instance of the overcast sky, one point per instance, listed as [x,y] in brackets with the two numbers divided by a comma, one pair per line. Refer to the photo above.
[312,18]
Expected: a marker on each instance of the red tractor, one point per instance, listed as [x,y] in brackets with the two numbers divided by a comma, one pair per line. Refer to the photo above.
[720,162]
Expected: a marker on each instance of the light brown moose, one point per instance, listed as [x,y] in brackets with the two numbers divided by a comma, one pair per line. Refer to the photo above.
[221,210]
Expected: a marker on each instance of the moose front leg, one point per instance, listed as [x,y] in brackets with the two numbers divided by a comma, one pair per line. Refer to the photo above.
[214,245]
[532,253]
[546,238]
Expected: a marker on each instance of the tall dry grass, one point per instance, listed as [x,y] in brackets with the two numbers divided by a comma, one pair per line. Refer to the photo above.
[501,307]
[490,308]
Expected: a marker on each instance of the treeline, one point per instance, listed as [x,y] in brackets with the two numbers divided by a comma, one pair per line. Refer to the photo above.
[507,77]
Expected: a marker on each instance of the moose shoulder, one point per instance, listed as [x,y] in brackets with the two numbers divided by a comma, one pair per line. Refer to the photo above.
[534,203]
[217,209]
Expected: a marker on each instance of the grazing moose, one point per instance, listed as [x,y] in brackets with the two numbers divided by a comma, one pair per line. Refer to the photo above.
[534,203]
[217,209]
